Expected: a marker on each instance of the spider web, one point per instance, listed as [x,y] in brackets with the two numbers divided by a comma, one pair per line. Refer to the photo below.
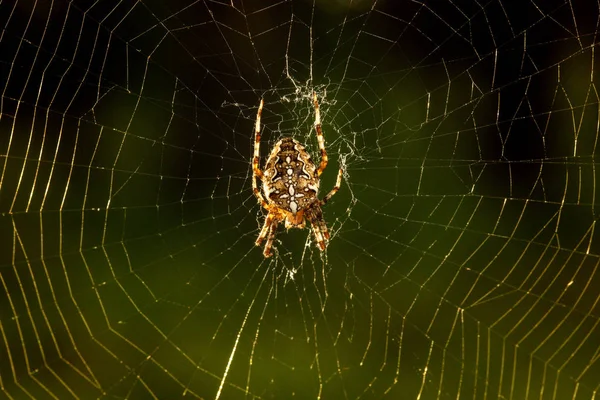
[463,261]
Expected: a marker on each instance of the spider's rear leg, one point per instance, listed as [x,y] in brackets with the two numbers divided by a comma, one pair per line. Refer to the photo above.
[256,171]
[255,160]
[333,191]
[320,137]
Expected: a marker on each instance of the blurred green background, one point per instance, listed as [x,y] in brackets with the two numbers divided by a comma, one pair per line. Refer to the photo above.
[463,261]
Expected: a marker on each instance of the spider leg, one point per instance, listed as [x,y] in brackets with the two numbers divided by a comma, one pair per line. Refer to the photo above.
[320,137]
[264,232]
[268,232]
[333,191]
[319,228]
[270,237]
[256,172]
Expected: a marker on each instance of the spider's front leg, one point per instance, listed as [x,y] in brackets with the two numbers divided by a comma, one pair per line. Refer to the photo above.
[268,232]
[265,229]
[270,237]
[314,215]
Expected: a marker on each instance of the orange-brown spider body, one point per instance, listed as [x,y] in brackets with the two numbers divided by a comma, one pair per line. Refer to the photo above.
[290,182]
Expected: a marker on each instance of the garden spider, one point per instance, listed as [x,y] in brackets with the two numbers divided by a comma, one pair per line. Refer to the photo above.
[290,182]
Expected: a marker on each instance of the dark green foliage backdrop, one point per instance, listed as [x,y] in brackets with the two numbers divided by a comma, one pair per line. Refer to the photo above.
[464,256]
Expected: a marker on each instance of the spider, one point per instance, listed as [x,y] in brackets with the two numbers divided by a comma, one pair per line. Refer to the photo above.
[290,182]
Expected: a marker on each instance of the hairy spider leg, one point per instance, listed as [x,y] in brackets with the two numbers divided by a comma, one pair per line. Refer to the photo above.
[273,217]
[319,228]
[265,228]
[320,137]
[333,191]
[256,171]
[270,237]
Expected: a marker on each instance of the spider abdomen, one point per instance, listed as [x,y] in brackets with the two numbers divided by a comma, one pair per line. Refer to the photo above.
[290,177]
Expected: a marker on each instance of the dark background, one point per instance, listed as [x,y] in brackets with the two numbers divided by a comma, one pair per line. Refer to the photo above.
[463,260]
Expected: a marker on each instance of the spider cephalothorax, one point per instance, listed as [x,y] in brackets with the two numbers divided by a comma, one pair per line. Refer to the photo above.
[290,182]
